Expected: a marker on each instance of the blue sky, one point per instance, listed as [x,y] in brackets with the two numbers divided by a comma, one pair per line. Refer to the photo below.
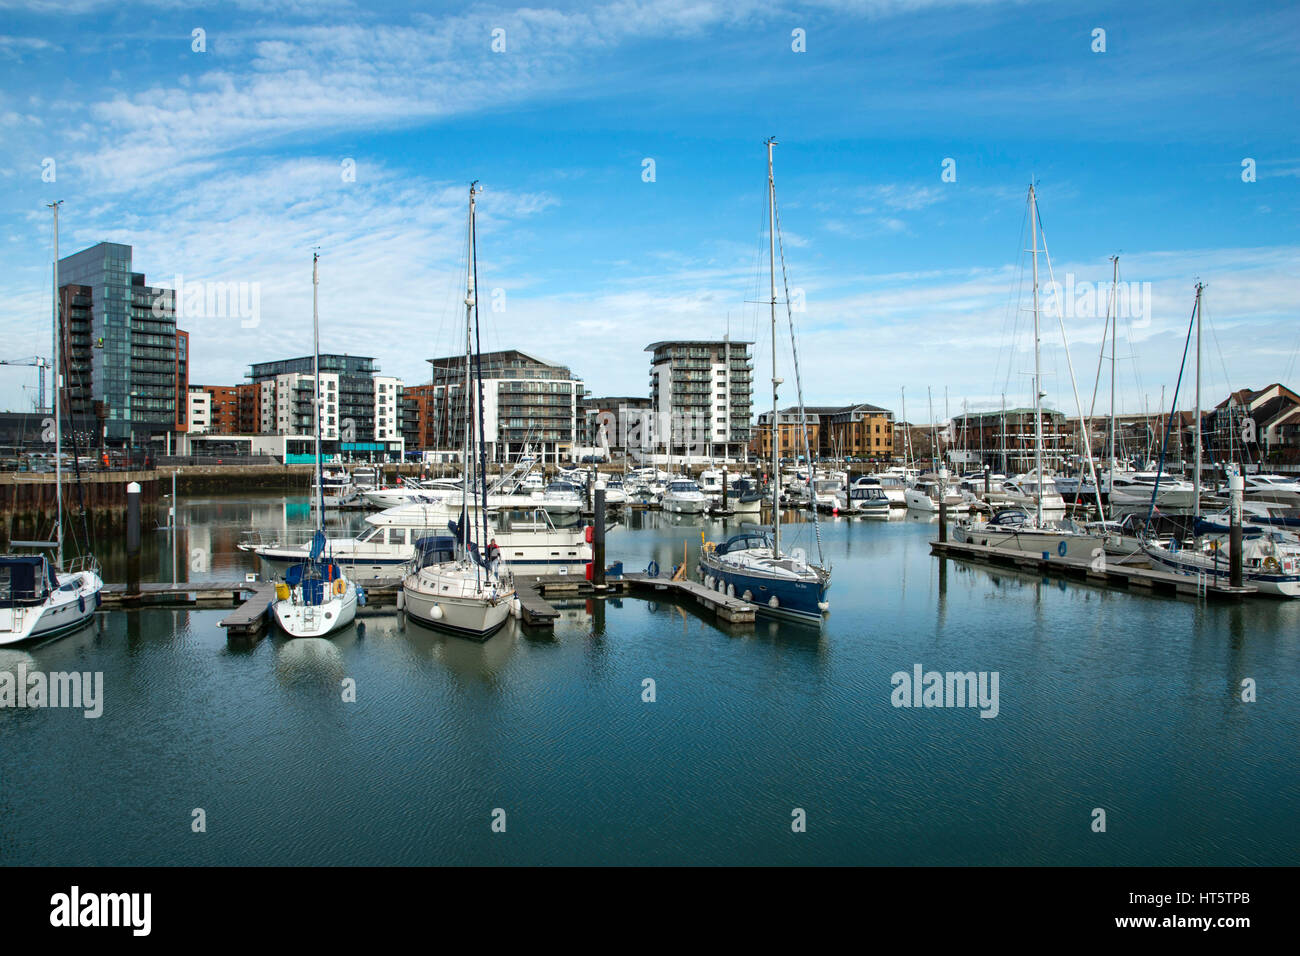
[225,165]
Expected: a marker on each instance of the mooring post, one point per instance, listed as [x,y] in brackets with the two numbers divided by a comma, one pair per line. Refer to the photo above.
[133,540]
[598,538]
[943,504]
[986,482]
[1236,488]
[724,488]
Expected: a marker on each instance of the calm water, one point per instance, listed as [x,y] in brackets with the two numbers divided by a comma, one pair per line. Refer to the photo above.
[1106,700]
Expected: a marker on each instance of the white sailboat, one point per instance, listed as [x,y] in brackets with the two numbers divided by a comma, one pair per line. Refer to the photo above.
[751,565]
[1269,562]
[465,591]
[39,598]
[316,597]
[1016,528]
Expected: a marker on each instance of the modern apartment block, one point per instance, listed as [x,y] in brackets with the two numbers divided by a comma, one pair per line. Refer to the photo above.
[350,400]
[124,359]
[702,393]
[215,409]
[528,402]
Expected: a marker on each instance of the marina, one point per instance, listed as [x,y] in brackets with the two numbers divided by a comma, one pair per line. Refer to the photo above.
[561,670]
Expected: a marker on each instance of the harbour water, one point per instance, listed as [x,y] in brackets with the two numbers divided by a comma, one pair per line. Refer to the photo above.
[1124,702]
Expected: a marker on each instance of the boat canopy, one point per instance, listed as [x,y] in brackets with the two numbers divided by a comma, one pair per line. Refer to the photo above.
[435,549]
[744,542]
[25,579]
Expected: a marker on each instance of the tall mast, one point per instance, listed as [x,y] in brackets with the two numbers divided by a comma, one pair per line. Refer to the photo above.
[1038,396]
[1114,321]
[58,427]
[776,424]
[315,337]
[1196,422]
[467,485]
[902,395]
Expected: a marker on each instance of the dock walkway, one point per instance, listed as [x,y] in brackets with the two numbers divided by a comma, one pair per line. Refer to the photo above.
[1107,574]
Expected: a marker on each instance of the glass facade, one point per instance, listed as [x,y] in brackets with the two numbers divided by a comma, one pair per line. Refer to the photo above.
[123,332]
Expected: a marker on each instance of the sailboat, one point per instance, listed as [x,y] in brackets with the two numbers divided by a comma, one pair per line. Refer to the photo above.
[1269,562]
[464,590]
[1015,528]
[316,597]
[39,598]
[751,565]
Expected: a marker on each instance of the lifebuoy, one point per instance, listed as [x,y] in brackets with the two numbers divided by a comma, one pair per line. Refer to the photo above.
[1271,565]
[340,586]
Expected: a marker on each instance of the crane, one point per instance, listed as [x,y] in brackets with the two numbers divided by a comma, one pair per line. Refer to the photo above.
[40,363]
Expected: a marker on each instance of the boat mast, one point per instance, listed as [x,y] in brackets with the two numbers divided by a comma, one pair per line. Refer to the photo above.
[1196,477]
[902,395]
[466,485]
[58,428]
[776,424]
[1038,416]
[315,329]
[1114,321]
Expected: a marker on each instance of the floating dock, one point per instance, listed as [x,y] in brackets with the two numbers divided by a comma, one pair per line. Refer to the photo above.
[731,609]
[1109,574]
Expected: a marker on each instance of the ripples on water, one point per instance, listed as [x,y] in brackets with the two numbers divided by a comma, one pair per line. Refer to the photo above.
[1107,700]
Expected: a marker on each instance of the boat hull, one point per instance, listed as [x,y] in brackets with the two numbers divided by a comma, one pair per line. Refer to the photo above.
[316,620]
[64,611]
[804,600]
[476,618]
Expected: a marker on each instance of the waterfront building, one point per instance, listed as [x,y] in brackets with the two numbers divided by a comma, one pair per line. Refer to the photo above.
[527,402]
[859,431]
[124,359]
[628,422]
[701,392]
[352,404]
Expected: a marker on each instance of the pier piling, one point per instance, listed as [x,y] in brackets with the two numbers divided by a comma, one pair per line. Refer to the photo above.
[943,517]
[1236,489]
[132,541]
[598,538]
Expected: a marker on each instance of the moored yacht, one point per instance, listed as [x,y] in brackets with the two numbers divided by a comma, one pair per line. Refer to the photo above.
[683,496]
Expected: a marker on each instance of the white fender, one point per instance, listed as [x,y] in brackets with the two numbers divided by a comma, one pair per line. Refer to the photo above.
[401,599]
[748,595]
[773,602]
[435,612]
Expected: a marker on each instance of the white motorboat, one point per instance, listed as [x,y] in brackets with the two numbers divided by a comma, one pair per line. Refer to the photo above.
[37,601]
[382,554]
[1277,489]
[866,500]
[1134,489]
[683,496]
[893,485]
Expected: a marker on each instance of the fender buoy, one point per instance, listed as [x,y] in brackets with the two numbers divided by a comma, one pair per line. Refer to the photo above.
[589,533]
[340,586]
[652,569]
[81,603]
[1062,548]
